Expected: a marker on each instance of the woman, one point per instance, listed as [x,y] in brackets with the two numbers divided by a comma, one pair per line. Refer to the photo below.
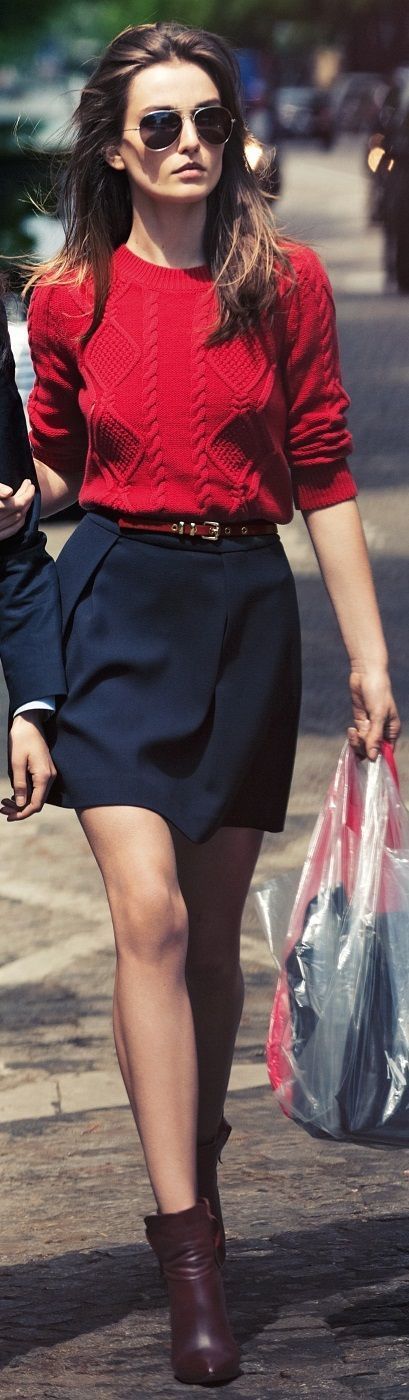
[188,386]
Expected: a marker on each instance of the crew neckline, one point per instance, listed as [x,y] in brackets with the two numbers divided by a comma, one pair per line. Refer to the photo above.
[155,275]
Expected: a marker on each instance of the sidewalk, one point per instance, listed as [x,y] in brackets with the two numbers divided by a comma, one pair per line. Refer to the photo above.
[318,1252]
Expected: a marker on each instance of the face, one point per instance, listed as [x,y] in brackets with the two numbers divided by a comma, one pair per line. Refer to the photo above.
[189,169]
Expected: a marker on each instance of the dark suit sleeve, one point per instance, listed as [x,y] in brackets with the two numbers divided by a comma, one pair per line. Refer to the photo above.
[30,614]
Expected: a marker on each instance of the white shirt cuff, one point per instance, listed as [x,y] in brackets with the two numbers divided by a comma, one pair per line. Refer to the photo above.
[47,703]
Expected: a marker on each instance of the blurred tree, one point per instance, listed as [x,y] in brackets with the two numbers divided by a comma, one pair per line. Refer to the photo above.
[22,24]
[82,25]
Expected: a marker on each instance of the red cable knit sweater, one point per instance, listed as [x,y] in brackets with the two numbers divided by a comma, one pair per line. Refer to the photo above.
[164,425]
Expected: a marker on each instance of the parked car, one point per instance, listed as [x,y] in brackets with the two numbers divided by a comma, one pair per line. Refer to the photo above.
[306,112]
[357,99]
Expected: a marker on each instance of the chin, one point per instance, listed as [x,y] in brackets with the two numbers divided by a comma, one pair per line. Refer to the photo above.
[187,195]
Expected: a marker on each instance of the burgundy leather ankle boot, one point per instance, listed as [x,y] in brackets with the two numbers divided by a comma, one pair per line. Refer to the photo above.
[204,1351]
[208,1156]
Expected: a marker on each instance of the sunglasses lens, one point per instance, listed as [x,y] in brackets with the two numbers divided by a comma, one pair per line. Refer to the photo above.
[159,129]
[214,125]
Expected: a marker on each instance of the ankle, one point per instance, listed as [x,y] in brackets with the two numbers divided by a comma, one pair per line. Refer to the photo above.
[173,1202]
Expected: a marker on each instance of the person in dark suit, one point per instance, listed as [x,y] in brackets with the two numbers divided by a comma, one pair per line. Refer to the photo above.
[30,625]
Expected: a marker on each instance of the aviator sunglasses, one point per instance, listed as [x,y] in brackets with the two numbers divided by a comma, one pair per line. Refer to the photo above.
[161,129]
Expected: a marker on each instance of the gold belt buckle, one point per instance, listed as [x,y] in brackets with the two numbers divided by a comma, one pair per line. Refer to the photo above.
[214,529]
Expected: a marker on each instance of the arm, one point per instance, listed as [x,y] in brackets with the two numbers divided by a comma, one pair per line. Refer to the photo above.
[58,430]
[30,637]
[15,457]
[58,488]
[30,624]
[58,436]
[318,442]
[19,486]
[339,543]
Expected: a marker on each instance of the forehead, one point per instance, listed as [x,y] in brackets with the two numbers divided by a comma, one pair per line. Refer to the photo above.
[173,84]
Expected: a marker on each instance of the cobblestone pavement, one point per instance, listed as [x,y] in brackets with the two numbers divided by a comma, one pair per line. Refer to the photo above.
[318,1233]
[318,1255]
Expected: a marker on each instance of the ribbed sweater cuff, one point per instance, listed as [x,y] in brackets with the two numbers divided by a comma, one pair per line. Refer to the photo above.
[316,487]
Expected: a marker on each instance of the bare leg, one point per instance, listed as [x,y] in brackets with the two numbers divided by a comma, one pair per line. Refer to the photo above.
[153,1025]
[214,879]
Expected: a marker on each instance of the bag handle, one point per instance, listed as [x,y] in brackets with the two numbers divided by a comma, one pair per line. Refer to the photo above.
[388,753]
[353,814]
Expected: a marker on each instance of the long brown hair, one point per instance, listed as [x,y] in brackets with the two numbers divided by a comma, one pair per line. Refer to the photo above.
[241,244]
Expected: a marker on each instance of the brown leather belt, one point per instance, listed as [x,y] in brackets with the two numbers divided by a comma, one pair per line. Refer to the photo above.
[206,529]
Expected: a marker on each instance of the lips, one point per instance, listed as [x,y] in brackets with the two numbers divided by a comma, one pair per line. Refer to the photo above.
[192,165]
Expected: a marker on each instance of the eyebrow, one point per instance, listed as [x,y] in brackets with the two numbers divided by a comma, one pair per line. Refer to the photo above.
[167,106]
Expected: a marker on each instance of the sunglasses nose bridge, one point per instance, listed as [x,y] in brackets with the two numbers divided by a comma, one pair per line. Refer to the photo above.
[189,134]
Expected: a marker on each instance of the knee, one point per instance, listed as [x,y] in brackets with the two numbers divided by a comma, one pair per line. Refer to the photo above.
[150,923]
[215,961]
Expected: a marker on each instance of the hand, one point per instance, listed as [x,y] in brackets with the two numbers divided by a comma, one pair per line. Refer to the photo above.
[14,507]
[375,713]
[32,768]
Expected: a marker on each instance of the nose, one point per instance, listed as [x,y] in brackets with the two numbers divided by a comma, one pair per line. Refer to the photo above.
[188,139]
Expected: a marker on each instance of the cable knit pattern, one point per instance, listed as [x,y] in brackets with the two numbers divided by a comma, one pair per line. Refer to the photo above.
[154,451]
[114,360]
[198,407]
[161,423]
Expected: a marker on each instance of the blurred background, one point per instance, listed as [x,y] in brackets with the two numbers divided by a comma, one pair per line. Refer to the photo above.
[313,71]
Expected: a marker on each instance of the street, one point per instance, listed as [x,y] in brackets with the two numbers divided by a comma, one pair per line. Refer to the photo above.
[319,1248]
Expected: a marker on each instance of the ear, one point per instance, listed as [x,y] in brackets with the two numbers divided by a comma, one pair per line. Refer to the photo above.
[113,158]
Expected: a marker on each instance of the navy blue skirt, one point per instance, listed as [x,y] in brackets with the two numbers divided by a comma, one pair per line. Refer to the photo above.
[183,670]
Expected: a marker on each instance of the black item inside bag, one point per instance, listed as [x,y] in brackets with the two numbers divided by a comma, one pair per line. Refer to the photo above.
[373,1090]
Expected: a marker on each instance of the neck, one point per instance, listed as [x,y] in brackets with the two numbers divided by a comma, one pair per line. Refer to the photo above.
[167,235]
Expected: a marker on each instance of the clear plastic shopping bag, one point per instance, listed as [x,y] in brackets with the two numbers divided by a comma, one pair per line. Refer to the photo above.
[338,1044]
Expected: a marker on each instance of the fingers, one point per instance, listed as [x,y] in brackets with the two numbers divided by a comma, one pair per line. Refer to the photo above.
[374,711]
[13,813]
[19,497]
[358,741]
[32,770]
[382,727]
[41,784]
[392,725]
[357,744]
[373,740]
[12,809]
[367,736]
[24,494]
[20,780]
[14,507]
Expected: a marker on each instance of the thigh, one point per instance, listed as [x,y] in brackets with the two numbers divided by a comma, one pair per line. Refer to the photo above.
[135,853]
[214,879]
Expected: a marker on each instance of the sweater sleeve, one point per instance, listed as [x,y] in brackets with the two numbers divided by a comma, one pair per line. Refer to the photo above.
[318,439]
[58,434]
